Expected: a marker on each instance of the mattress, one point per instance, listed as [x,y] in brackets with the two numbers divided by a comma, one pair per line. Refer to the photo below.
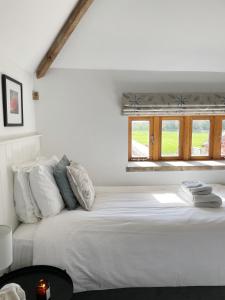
[136,237]
[23,238]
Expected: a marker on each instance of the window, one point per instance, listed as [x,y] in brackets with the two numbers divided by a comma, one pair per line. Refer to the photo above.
[200,141]
[140,134]
[176,138]
[140,139]
[171,138]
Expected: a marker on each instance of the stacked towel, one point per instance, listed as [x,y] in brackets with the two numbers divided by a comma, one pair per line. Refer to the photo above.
[201,194]
[211,200]
[201,190]
[191,184]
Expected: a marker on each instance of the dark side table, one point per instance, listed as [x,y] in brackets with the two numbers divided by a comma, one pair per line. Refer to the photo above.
[61,285]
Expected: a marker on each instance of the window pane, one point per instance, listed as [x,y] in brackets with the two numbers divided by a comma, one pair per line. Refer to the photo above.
[140,138]
[223,139]
[170,137]
[200,137]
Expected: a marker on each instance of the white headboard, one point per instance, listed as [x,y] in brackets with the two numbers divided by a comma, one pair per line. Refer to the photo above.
[13,151]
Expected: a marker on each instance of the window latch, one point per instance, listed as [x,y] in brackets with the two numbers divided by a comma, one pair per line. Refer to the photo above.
[152,139]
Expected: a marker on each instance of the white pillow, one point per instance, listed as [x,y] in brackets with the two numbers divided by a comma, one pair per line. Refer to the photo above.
[43,161]
[81,185]
[45,190]
[26,207]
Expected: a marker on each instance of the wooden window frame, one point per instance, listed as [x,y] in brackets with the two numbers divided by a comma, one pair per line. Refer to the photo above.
[185,139]
[218,137]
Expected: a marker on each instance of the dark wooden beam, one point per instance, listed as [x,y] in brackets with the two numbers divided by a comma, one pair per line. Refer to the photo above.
[63,35]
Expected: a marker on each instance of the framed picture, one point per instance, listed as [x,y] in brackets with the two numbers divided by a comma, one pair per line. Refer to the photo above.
[12,95]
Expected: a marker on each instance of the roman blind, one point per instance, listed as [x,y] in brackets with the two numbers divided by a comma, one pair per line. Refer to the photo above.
[139,104]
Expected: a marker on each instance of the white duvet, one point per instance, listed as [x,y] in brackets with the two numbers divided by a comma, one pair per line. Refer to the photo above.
[136,238]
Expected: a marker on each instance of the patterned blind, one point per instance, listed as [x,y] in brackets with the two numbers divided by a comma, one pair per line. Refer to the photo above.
[139,104]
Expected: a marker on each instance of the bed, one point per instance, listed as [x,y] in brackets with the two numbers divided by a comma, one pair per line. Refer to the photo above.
[133,237]
[23,239]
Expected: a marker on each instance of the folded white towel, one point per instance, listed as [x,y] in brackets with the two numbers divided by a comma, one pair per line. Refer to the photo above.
[207,198]
[202,190]
[12,291]
[191,183]
[197,187]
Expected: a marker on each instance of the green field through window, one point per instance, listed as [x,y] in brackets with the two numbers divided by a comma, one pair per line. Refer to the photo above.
[140,147]
[200,137]
[170,138]
[170,144]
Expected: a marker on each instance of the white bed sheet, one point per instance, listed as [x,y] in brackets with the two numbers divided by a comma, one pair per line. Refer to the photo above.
[23,238]
[146,237]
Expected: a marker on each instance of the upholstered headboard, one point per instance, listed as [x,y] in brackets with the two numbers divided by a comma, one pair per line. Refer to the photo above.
[13,151]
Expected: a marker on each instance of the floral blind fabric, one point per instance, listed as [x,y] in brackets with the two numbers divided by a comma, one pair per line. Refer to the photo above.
[139,104]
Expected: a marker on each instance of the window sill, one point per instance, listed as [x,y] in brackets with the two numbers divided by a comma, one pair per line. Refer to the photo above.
[149,166]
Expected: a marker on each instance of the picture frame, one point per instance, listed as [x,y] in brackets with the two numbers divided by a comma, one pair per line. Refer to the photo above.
[12,97]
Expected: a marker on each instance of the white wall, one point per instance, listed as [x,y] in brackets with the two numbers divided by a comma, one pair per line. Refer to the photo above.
[79,114]
[28,34]
[156,35]
[11,69]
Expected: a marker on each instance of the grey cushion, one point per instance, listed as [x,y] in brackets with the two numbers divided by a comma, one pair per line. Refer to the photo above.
[60,174]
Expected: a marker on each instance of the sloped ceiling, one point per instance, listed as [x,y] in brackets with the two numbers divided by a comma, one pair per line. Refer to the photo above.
[28,27]
[118,34]
[149,35]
